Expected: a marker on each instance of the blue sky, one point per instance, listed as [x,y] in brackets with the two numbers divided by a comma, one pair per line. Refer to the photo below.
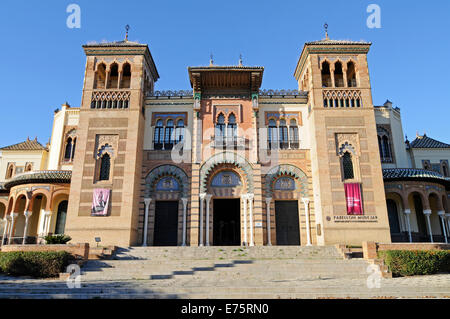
[43,62]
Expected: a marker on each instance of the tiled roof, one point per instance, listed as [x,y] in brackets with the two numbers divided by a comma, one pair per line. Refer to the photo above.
[427,142]
[411,173]
[39,177]
[28,145]
[115,44]
[337,42]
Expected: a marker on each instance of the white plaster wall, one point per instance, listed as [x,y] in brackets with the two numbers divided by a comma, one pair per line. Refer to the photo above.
[20,158]
[433,155]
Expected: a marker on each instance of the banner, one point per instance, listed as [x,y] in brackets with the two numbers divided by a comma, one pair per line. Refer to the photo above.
[354,199]
[100,202]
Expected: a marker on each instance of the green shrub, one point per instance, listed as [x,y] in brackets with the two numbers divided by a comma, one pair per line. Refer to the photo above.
[57,239]
[416,262]
[34,263]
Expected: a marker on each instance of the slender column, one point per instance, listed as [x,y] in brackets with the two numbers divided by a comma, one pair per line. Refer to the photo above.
[408,223]
[427,213]
[244,198]
[308,231]
[448,224]
[185,202]
[5,230]
[250,210]
[25,230]
[208,199]
[202,199]
[147,202]
[442,217]
[11,229]
[48,220]
[268,201]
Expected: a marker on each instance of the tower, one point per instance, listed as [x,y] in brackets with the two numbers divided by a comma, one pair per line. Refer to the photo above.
[344,148]
[108,160]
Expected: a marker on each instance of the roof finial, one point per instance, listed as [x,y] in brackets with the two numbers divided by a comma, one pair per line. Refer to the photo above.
[127,28]
[211,61]
[326,31]
[240,59]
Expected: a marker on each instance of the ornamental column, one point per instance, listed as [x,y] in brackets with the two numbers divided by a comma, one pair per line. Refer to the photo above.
[244,198]
[25,231]
[250,208]
[448,224]
[308,231]
[185,202]
[268,201]
[427,213]
[208,199]
[5,230]
[442,216]
[202,199]
[48,216]
[11,228]
[147,202]
[407,213]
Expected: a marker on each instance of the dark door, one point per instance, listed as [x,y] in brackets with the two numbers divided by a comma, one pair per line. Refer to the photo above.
[61,218]
[166,224]
[286,218]
[227,222]
[421,223]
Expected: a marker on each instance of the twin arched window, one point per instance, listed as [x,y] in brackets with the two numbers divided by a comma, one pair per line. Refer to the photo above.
[384,145]
[69,151]
[226,129]
[167,136]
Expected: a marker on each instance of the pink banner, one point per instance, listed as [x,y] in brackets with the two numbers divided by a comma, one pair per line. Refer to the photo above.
[100,202]
[354,200]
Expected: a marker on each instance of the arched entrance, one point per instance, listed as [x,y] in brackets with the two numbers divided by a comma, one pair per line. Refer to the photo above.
[165,218]
[394,222]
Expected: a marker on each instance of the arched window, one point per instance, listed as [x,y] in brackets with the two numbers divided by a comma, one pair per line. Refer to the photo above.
[445,169]
[29,167]
[351,75]
[272,134]
[10,171]
[347,166]
[338,75]
[73,148]
[326,75]
[168,141]
[126,76]
[386,147]
[220,125]
[158,138]
[68,151]
[113,80]
[105,166]
[179,131]
[100,77]
[231,128]
[293,134]
[283,135]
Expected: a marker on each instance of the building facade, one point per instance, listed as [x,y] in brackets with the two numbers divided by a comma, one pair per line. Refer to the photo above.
[228,163]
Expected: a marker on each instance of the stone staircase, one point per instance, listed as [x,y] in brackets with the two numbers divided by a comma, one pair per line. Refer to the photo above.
[220,272]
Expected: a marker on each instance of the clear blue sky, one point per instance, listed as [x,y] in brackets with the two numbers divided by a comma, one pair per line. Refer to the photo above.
[43,62]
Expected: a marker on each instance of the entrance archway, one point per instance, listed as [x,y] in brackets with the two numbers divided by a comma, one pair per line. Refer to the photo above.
[227,222]
[61,218]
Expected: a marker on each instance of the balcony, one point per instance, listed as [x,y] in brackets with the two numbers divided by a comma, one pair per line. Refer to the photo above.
[234,142]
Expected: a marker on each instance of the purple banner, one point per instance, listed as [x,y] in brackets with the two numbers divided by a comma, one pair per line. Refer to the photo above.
[100,202]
